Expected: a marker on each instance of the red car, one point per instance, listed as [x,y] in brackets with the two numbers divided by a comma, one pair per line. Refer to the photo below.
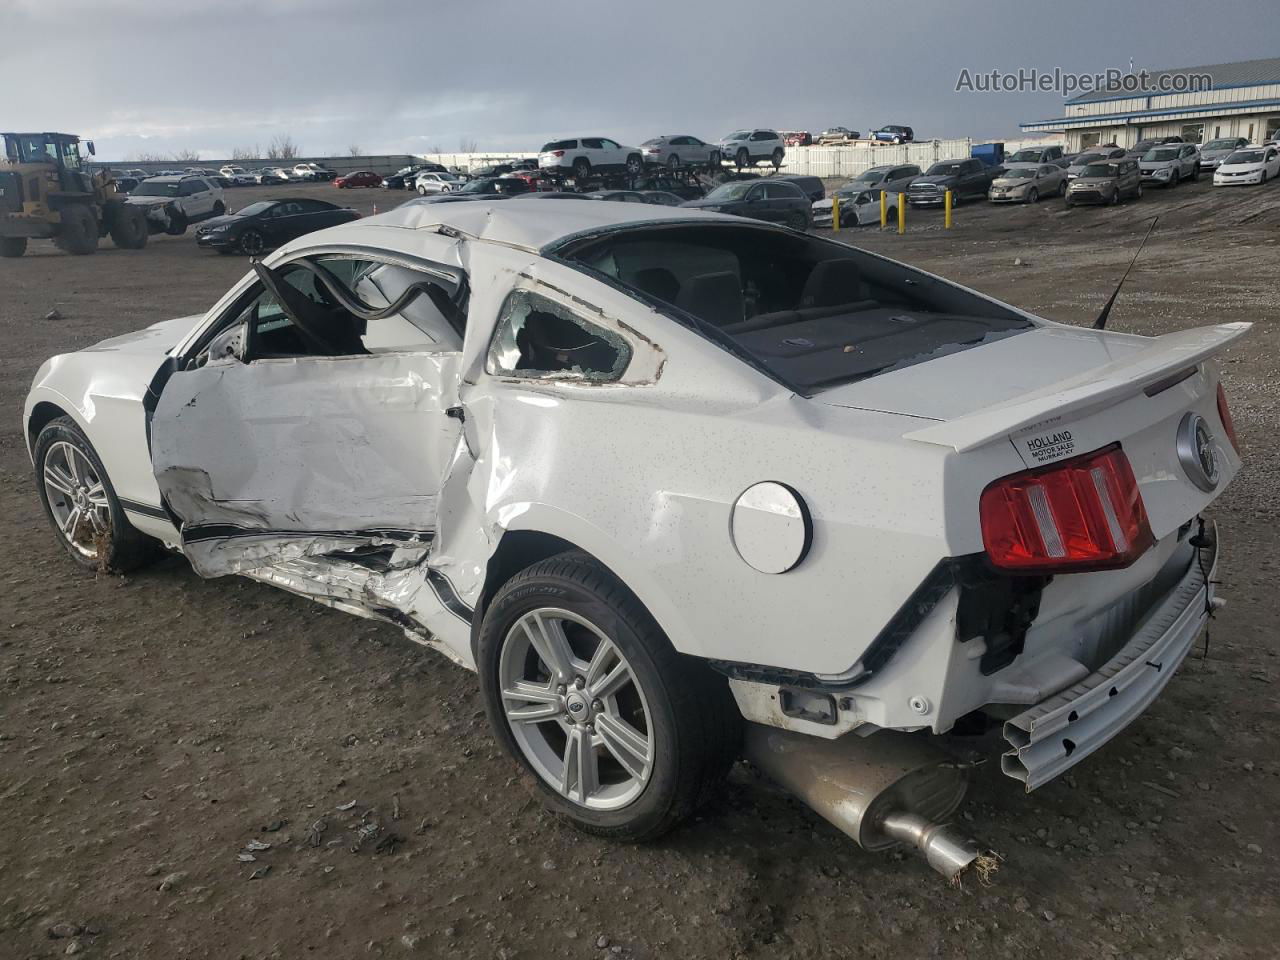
[798,138]
[536,179]
[358,178]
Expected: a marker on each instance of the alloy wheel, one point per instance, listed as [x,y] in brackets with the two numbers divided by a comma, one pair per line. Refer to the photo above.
[576,709]
[77,498]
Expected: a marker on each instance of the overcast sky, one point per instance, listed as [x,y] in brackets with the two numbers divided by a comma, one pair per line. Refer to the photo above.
[406,76]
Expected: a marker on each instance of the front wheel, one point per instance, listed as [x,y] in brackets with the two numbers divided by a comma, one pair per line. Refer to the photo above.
[177,224]
[251,243]
[798,221]
[1062,188]
[634,164]
[623,736]
[776,159]
[673,161]
[742,158]
[219,208]
[1033,195]
[81,504]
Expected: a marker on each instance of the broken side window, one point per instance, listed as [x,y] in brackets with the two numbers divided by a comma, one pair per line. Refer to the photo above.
[537,338]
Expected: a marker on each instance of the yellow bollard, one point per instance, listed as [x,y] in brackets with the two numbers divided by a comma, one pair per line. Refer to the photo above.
[884,209]
[902,213]
[835,213]
[947,203]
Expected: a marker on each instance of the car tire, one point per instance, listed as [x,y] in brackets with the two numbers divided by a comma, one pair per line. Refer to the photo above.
[219,209]
[177,222]
[1115,197]
[251,243]
[659,730]
[128,226]
[673,161]
[1195,174]
[1137,193]
[634,164]
[581,168]
[1173,180]
[742,158]
[776,159]
[78,234]
[1033,195]
[13,246]
[797,221]
[1062,188]
[81,505]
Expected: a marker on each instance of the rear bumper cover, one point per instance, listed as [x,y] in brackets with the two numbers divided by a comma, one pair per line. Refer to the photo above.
[1059,732]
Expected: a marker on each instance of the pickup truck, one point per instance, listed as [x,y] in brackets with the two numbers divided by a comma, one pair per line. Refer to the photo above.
[966,179]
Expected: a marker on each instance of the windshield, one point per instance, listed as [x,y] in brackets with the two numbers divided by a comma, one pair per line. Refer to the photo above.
[810,313]
[1086,158]
[1025,156]
[1142,146]
[1227,143]
[1155,156]
[868,178]
[944,170]
[1020,173]
[1245,156]
[255,209]
[730,191]
[480,186]
[1099,170]
[739,135]
[153,188]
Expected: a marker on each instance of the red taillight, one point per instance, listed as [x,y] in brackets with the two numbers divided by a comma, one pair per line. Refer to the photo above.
[557,153]
[1081,514]
[1224,414]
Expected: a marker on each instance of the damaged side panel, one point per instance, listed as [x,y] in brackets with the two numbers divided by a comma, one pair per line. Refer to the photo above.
[288,458]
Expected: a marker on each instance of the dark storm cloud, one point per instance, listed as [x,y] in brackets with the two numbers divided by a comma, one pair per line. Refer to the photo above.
[399,76]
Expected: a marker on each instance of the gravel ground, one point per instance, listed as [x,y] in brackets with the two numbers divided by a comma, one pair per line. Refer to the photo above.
[152,725]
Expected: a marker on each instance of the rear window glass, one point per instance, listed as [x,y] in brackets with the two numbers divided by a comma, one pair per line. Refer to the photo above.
[810,313]
[560,145]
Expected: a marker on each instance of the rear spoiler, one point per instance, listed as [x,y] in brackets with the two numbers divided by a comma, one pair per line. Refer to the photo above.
[1110,382]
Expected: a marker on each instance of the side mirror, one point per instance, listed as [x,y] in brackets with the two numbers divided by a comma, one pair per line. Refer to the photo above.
[229,344]
[92,151]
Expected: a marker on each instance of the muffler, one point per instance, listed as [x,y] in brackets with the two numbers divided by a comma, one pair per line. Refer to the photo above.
[887,789]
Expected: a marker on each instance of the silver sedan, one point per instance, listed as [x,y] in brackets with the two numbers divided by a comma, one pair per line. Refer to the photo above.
[1027,183]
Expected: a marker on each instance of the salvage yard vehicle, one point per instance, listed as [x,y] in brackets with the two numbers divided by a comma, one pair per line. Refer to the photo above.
[860,197]
[357,178]
[1169,165]
[1254,165]
[269,223]
[431,181]
[1106,182]
[1215,151]
[833,496]
[1082,160]
[680,150]
[966,179]
[771,200]
[894,133]
[1139,149]
[1038,155]
[47,192]
[837,135]
[584,156]
[746,148]
[172,203]
[1028,182]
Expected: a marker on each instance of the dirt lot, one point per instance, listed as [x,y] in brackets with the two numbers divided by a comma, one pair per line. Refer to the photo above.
[151,725]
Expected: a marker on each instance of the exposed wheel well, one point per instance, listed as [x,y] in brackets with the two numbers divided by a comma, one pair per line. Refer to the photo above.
[42,414]
[516,550]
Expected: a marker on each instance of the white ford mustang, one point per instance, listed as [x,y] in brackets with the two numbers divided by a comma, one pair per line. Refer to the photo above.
[650,473]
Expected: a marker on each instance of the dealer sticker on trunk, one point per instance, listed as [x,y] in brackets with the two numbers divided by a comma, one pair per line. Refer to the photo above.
[1045,444]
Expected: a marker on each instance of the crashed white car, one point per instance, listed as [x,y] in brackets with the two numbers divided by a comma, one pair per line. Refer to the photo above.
[651,473]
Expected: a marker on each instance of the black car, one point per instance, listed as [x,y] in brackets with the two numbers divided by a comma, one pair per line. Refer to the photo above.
[403,178]
[497,170]
[269,223]
[768,199]
[686,188]
[964,178]
[658,197]
[813,187]
[503,186]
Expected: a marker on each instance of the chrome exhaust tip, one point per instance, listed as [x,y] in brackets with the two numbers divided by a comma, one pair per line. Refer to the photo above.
[883,791]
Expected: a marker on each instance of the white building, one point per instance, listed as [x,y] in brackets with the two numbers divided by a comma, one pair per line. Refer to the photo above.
[1242,100]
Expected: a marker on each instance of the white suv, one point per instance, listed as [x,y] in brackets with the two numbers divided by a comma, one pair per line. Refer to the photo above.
[428,181]
[745,148]
[171,203]
[584,155]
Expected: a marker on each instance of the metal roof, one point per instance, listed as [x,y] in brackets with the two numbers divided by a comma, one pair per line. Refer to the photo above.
[1245,73]
[1169,113]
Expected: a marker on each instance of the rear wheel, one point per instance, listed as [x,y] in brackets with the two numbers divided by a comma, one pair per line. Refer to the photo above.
[581,168]
[776,159]
[219,209]
[634,164]
[673,161]
[78,233]
[742,158]
[797,221]
[13,246]
[128,226]
[623,736]
[81,504]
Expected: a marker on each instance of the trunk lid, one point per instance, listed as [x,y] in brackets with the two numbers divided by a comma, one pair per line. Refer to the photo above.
[1057,392]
